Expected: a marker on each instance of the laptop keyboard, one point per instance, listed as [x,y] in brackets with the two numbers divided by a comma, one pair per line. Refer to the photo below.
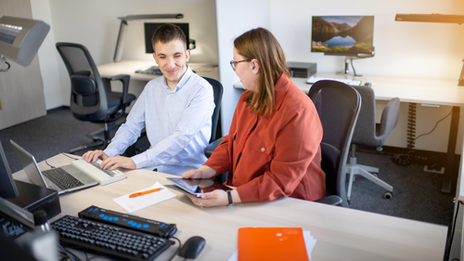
[61,178]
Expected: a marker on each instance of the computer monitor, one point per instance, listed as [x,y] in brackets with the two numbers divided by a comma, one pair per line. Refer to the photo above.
[150,28]
[343,35]
[7,185]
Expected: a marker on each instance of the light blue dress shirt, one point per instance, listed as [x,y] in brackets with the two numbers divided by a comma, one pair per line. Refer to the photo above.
[177,122]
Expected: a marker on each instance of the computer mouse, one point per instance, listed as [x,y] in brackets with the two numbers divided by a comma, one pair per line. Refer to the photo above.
[192,247]
[367,84]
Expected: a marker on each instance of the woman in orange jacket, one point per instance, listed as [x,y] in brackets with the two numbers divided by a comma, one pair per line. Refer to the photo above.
[273,146]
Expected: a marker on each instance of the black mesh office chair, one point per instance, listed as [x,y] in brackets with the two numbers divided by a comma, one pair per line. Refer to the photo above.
[214,141]
[370,134]
[338,106]
[91,96]
[218,90]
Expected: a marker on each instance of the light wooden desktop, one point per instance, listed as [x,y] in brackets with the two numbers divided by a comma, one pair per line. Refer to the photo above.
[341,233]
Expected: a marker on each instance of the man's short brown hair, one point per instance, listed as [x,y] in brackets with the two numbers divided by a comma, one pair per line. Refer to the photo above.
[167,33]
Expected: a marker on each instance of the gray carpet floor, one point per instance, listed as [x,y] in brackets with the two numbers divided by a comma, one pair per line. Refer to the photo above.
[416,193]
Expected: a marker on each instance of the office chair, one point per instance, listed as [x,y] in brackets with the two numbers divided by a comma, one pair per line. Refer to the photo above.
[218,91]
[214,141]
[338,106]
[91,96]
[368,133]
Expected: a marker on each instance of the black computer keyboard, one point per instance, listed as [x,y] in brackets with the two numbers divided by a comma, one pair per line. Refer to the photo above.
[154,70]
[61,178]
[108,240]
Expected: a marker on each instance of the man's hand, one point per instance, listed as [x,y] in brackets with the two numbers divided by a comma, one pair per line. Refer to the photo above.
[92,156]
[118,162]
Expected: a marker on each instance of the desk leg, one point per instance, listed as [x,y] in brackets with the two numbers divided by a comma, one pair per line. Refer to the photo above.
[449,178]
[456,235]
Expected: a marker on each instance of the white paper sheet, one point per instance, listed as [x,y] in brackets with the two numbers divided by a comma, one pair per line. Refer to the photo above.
[141,202]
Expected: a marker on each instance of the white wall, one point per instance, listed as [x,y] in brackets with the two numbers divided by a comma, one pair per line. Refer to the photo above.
[406,49]
[233,19]
[409,49]
[48,57]
[95,25]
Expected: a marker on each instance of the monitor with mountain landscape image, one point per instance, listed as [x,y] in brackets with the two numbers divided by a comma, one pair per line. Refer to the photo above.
[343,35]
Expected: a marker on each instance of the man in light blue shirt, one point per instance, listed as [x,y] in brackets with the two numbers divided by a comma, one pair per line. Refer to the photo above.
[175,109]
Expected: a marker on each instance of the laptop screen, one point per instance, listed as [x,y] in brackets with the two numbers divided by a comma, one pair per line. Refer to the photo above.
[29,165]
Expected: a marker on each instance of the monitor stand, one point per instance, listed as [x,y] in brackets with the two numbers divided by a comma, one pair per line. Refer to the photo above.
[349,61]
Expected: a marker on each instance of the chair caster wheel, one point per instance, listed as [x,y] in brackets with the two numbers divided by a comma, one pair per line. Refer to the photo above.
[375,174]
[387,195]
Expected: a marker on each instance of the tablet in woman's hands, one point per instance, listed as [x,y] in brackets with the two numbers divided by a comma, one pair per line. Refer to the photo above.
[196,187]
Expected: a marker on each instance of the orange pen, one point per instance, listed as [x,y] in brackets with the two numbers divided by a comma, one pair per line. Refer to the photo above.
[133,195]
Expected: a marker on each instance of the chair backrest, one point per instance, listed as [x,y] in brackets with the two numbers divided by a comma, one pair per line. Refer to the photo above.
[88,94]
[366,131]
[338,106]
[218,91]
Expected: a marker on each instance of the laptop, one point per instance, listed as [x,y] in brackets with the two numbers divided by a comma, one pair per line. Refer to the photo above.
[72,179]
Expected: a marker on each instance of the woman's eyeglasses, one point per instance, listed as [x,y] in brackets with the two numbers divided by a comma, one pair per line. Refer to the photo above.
[234,63]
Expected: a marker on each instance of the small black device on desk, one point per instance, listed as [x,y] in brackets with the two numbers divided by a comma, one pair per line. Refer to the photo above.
[301,69]
[33,197]
[144,225]
[153,70]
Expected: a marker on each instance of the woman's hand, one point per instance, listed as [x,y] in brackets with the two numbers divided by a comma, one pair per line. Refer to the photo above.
[203,172]
[215,198]
[211,199]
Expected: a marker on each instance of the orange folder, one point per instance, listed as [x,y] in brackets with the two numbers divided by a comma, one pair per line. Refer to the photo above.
[271,243]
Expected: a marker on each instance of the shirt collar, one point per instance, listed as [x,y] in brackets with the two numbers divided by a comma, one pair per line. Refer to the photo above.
[182,81]
[280,89]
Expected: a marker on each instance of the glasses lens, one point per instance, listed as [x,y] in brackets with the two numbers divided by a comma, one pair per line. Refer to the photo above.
[233,64]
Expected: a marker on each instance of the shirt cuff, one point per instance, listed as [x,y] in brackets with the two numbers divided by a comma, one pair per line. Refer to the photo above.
[110,152]
[140,160]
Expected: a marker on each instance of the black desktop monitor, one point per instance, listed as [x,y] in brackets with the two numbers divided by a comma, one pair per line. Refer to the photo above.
[7,185]
[343,35]
[150,28]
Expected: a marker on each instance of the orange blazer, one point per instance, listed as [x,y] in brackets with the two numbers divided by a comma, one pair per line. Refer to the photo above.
[281,155]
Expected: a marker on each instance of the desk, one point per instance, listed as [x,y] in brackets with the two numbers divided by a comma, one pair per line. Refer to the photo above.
[130,66]
[416,90]
[341,233]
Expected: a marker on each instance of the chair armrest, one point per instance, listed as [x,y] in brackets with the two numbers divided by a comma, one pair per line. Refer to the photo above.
[124,78]
[333,200]
[211,147]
